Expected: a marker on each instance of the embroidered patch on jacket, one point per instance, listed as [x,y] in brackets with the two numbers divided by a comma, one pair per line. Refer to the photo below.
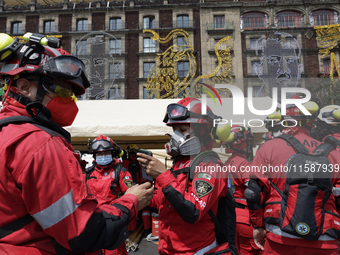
[202,188]
[128,184]
[126,178]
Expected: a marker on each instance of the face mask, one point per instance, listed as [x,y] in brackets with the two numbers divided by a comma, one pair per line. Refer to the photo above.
[103,160]
[182,145]
[63,110]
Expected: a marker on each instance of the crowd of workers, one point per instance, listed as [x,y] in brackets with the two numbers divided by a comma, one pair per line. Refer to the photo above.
[49,205]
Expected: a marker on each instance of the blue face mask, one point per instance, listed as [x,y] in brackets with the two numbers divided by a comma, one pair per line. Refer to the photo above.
[103,160]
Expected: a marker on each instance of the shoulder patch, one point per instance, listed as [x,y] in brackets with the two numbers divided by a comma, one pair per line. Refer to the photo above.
[202,188]
[128,184]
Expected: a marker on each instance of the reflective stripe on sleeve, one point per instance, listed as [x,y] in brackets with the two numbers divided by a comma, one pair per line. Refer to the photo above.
[57,211]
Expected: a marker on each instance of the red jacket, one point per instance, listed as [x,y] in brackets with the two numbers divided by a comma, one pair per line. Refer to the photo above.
[276,152]
[185,226]
[41,176]
[101,182]
[238,164]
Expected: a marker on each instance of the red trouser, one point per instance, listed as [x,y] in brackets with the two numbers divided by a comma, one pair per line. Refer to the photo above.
[244,240]
[273,248]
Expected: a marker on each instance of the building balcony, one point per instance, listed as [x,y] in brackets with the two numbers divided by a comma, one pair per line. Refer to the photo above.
[213,28]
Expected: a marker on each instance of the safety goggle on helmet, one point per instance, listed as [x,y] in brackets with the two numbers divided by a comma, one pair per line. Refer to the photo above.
[104,143]
[30,58]
[187,111]
[69,68]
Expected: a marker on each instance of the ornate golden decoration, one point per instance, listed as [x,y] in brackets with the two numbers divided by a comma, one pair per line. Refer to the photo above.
[328,38]
[163,80]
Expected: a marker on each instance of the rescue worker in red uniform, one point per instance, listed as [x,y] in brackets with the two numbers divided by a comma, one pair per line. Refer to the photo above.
[327,123]
[107,178]
[135,170]
[45,205]
[185,225]
[265,193]
[239,144]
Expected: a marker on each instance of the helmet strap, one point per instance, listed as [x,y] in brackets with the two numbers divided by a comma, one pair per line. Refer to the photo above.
[41,90]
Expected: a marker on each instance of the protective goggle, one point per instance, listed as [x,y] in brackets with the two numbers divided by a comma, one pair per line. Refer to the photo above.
[179,112]
[104,144]
[67,67]
[64,67]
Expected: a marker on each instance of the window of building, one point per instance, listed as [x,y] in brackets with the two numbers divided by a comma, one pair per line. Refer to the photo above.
[148,68]
[115,46]
[182,21]
[184,93]
[114,93]
[258,91]
[222,46]
[254,20]
[17,27]
[256,68]
[289,19]
[49,26]
[81,47]
[324,17]
[149,22]
[290,43]
[115,23]
[146,94]
[149,45]
[326,63]
[181,40]
[255,44]
[115,71]
[219,22]
[82,25]
[182,68]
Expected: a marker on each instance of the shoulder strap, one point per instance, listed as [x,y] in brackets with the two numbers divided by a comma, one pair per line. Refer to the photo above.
[15,225]
[295,143]
[89,171]
[276,188]
[118,168]
[324,149]
[201,157]
[22,119]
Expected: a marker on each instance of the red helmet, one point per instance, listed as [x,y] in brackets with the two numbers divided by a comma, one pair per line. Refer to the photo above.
[35,59]
[105,143]
[294,113]
[238,139]
[188,111]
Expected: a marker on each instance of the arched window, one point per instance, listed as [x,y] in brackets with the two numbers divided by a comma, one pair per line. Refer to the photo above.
[254,20]
[288,19]
[324,17]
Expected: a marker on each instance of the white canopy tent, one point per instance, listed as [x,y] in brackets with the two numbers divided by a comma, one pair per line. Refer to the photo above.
[141,121]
